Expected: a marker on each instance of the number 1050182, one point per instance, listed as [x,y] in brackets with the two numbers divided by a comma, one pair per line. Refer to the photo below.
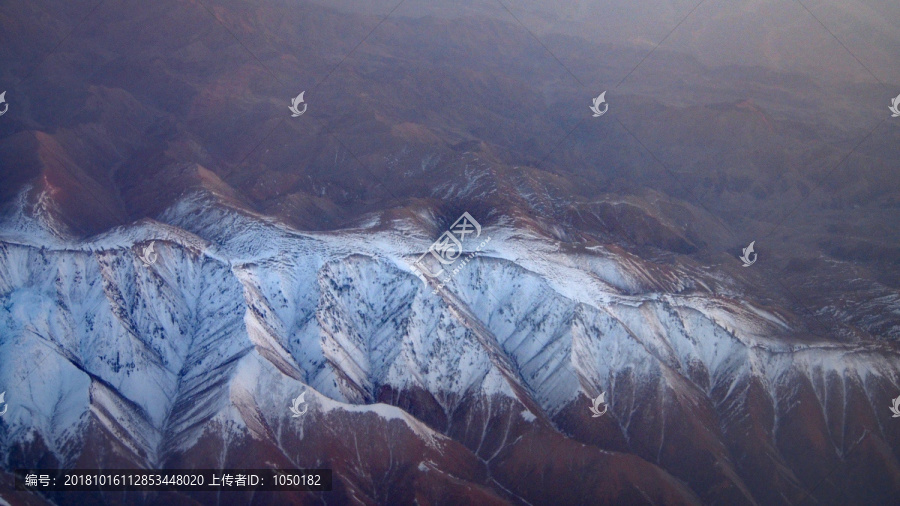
[298,480]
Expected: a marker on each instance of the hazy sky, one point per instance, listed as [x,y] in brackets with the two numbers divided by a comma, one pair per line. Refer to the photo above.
[778,34]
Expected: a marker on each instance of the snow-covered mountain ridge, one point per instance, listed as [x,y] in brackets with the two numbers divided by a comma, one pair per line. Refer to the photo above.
[108,360]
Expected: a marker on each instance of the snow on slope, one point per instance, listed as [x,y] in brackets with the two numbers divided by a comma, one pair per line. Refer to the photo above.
[240,314]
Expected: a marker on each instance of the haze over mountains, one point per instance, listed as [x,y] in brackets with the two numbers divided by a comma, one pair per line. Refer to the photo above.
[284,247]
